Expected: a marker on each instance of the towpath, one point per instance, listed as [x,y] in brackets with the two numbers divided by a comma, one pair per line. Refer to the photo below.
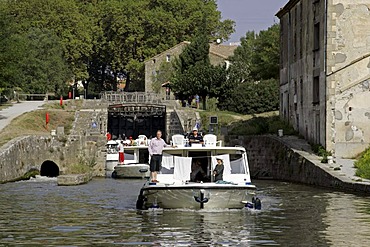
[17,109]
[343,169]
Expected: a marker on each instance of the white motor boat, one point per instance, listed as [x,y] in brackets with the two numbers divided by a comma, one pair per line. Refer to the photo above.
[178,186]
[135,165]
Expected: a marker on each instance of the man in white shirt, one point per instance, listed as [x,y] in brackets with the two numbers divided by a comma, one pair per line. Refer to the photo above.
[155,148]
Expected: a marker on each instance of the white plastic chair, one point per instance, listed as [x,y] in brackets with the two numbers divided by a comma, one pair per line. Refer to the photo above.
[178,140]
[210,140]
[142,140]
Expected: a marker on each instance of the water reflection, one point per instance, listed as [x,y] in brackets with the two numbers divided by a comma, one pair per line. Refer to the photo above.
[102,213]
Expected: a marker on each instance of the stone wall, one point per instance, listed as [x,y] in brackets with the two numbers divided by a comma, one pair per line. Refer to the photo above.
[348,80]
[25,153]
[270,158]
[85,144]
[302,68]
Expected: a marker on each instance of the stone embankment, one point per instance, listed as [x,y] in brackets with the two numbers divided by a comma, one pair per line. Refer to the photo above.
[291,159]
[57,153]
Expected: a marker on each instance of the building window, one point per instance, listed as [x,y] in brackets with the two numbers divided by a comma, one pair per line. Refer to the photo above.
[300,41]
[301,94]
[316,37]
[168,58]
[154,61]
[316,90]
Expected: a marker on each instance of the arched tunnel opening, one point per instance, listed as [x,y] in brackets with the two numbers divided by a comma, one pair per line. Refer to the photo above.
[49,169]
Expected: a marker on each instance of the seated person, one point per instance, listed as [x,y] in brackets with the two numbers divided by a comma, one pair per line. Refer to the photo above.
[195,137]
[219,170]
[197,172]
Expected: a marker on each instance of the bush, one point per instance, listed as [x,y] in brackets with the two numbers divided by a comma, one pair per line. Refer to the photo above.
[212,104]
[363,165]
[253,97]
[321,151]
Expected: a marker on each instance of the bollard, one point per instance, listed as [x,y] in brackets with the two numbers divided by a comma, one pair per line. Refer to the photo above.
[280,132]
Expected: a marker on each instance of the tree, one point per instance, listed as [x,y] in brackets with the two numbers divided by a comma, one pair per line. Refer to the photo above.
[164,75]
[105,39]
[253,97]
[252,84]
[194,74]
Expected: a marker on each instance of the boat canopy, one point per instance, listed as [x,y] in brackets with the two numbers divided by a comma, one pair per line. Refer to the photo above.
[182,167]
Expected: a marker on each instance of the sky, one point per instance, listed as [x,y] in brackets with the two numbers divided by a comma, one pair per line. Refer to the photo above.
[250,15]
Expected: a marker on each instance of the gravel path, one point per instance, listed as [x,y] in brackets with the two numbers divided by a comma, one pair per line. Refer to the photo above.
[17,109]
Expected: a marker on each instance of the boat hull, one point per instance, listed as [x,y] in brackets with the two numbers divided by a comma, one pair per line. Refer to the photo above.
[131,171]
[211,196]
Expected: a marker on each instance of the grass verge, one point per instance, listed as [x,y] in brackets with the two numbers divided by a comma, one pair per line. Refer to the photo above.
[34,123]
[363,165]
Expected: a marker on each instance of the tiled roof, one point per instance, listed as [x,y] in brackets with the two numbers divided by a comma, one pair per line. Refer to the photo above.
[224,51]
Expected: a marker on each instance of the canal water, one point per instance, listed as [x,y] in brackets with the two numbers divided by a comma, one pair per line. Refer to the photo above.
[102,213]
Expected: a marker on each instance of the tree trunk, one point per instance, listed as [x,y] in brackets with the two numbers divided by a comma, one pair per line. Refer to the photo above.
[127,82]
[204,100]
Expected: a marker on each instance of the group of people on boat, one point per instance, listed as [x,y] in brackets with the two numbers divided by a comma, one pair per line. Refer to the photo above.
[155,149]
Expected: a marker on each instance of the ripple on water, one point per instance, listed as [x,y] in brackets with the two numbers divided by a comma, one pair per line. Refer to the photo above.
[103,213]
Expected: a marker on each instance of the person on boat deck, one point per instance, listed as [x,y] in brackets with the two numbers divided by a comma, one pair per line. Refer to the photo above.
[195,137]
[155,149]
[197,172]
[121,155]
[219,170]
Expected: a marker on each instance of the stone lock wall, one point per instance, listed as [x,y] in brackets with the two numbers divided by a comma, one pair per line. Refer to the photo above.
[270,158]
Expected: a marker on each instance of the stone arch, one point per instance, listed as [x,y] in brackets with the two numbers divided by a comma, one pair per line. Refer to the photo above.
[49,169]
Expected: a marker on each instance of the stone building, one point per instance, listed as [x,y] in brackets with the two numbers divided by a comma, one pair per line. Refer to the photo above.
[325,72]
[218,54]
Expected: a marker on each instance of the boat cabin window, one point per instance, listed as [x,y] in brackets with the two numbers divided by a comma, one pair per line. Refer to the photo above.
[200,166]
[129,154]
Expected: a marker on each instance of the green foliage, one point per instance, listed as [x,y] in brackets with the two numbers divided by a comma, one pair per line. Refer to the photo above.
[253,97]
[321,151]
[194,74]
[212,104]
[164,75]
[253,76]
[44,44]
[260,126]
[363,165]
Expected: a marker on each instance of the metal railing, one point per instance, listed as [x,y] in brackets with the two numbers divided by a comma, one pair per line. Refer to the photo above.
[131,97]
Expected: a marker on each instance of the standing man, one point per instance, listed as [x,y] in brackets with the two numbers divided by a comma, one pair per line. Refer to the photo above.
[121,155]
[155,148]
